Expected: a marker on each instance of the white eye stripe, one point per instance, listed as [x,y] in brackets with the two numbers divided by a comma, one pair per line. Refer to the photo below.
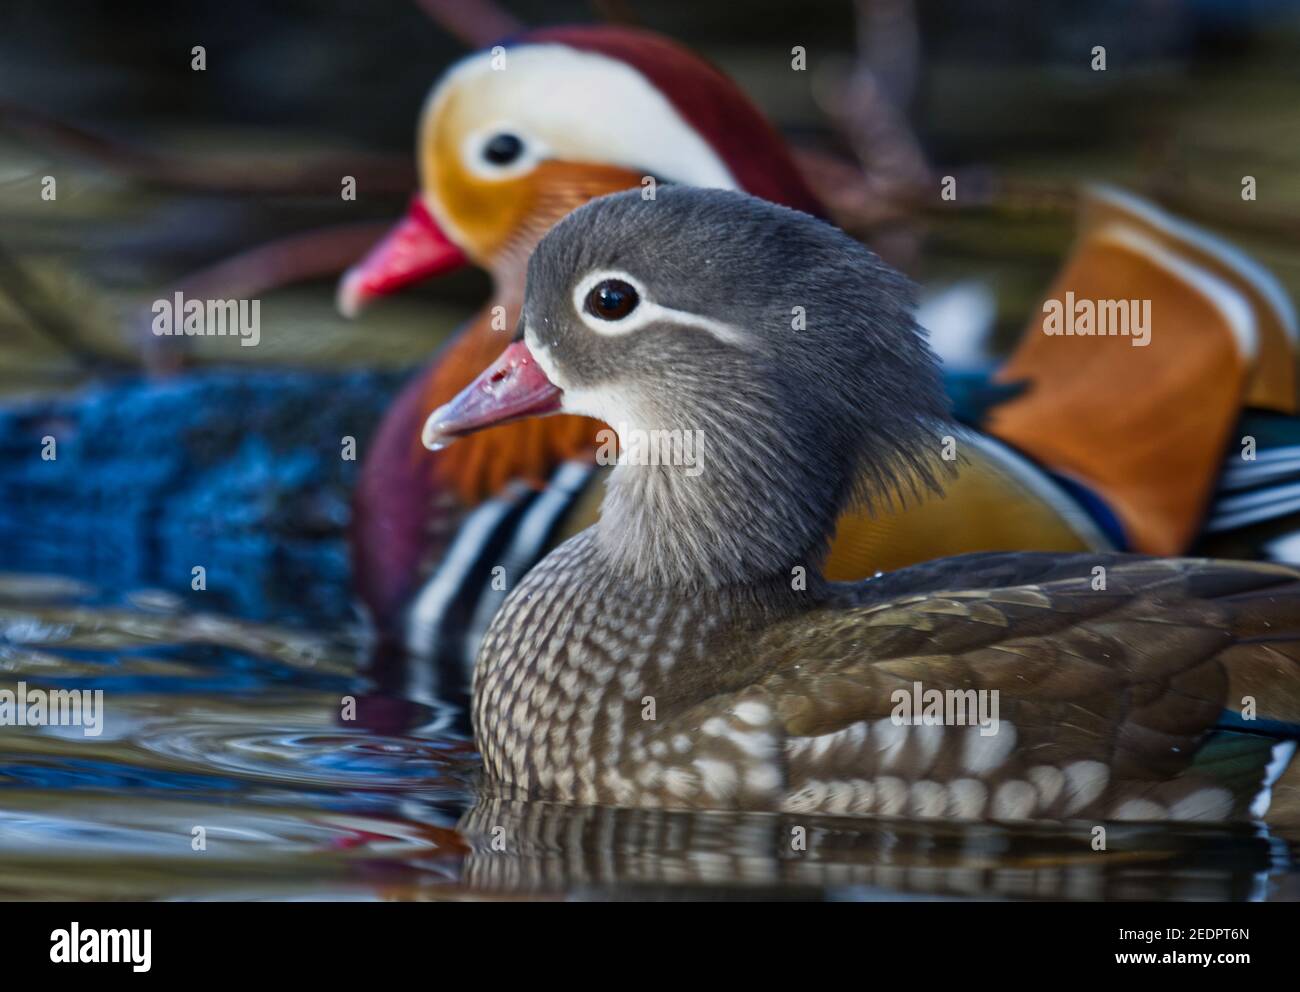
[646,311]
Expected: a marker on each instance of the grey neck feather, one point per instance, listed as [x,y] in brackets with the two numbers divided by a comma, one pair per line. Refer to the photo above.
[755,509]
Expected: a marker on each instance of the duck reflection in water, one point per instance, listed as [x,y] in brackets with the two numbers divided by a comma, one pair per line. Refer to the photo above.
[521,846]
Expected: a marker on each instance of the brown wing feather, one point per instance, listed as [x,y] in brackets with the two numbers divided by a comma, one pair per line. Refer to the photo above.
[1105,695]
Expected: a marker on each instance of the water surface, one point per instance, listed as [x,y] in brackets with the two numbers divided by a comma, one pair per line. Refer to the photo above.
[237,728]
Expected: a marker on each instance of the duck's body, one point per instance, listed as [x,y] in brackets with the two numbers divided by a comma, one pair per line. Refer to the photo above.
[686,651]
[594,691]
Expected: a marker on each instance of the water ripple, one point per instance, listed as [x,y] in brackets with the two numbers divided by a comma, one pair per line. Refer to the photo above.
[311,757]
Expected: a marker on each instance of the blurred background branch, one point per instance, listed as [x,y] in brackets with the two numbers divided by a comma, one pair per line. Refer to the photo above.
[474,23]
[226,182]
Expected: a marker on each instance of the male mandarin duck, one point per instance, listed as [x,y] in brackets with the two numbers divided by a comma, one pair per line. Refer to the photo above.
[507,148]
[504,155]
[686,651]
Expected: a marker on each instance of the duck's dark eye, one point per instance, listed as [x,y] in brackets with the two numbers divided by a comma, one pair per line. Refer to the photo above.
[612,299]
[503,149]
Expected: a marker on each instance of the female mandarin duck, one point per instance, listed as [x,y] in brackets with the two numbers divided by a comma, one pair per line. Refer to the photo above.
[507,151]
[671,655]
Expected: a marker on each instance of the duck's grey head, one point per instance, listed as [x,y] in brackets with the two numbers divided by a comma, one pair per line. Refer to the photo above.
[776,357]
